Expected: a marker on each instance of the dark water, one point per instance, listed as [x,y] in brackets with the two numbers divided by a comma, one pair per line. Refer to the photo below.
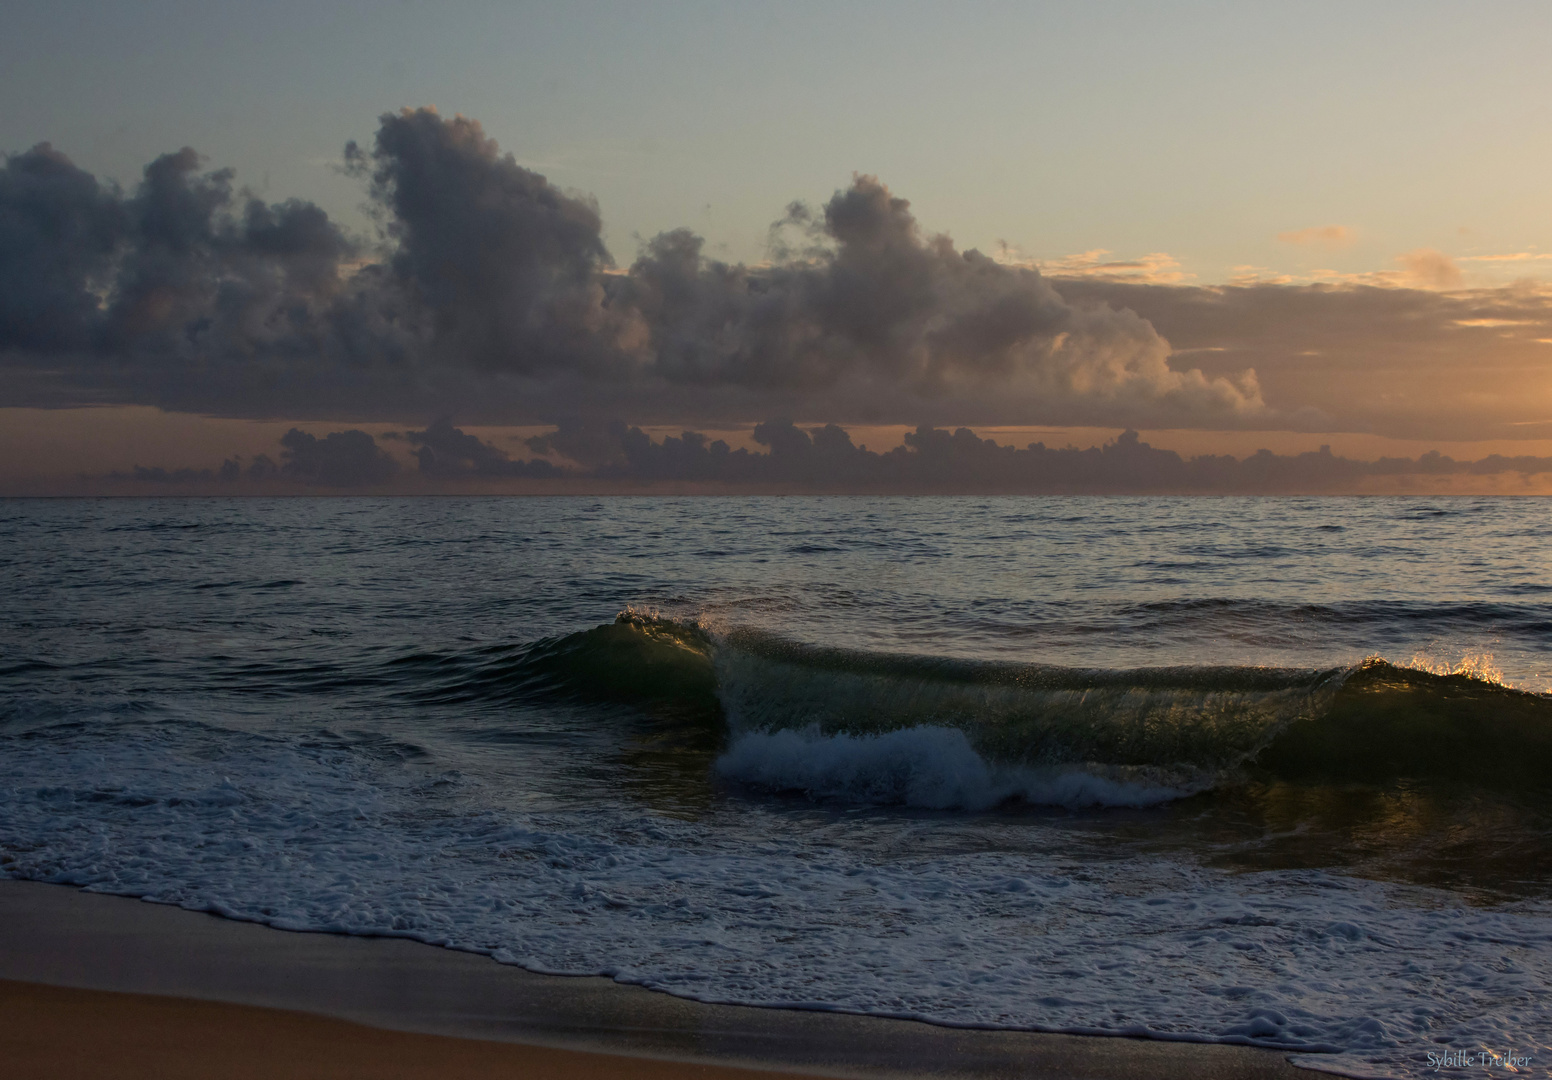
[1264,770]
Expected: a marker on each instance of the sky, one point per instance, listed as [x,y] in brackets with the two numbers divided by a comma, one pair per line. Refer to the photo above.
[1323,220]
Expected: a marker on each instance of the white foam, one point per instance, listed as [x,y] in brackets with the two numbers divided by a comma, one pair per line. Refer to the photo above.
[926,766]
[765,910]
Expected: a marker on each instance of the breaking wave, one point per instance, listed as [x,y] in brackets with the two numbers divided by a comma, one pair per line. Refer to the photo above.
[928,766]
[955,733]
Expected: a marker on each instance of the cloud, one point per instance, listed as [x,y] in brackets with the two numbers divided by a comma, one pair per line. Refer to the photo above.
[185,292]
[59,232]
[1508,257]
[490,292]
[821,459]
[1430,269]
[588,443]
[446,451]
[1322,236]
[504,265]
[872,308]
[1424,268]
[1155,268]
[339,459]
[1248,274]
[1408,362]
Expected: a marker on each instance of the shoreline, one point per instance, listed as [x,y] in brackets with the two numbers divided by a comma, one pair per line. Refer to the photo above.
[186,969]
[65,1033]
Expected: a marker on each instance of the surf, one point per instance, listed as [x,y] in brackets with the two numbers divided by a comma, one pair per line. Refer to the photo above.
[941,732]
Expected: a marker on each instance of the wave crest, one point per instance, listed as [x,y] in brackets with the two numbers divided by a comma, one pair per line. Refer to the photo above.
[937,731]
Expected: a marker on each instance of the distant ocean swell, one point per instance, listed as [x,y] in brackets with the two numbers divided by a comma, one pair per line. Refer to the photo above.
[953,733]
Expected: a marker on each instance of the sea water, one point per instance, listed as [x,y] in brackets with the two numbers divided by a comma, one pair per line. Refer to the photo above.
[1265,771]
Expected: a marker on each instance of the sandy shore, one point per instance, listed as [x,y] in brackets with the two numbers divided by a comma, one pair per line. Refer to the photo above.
[107,986]
[62,1033]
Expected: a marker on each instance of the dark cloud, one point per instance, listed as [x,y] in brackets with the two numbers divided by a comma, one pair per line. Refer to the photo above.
[184,293]
[491,294]
[940,460]
[170,273]
[825,459]
[869,312]
[506,265]
[59,233]
[936,460]
[445,451]
[340,459]
[262,467]
[590,444]
[510,273]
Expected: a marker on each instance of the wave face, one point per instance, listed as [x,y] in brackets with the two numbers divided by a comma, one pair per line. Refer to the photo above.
[637,660]
[1115,766]
[943,732]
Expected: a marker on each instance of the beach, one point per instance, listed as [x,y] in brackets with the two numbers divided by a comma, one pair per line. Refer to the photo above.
[60,1032]
[97,985]
[618,540]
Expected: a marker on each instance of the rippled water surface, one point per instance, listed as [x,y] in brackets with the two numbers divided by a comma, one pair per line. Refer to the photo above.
[1262,770]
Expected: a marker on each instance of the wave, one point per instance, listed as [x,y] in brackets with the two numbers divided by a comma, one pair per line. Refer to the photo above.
[948,732]
[929,766]
[635,659]
[1392,722]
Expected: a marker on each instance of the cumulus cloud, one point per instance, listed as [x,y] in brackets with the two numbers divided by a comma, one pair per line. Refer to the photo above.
[1407,362]
[183,268]
[446,451]
[491,291]
[588,443]
[1429,269]
[505,265]
[340,459]
[59,232]
[874,309]
[489,294]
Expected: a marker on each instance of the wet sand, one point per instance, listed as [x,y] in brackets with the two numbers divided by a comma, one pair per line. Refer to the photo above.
[158,991]
[64,1034]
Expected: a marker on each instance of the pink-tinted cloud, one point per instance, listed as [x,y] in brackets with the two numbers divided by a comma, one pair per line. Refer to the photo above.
[1155,268]
[1429,269]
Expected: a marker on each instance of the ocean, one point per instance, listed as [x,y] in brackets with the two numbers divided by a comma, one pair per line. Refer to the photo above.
[1270,771]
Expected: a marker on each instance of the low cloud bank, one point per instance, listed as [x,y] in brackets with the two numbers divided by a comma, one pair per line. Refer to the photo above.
[445,451]
[490,292]
[341,459]
[814,459]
